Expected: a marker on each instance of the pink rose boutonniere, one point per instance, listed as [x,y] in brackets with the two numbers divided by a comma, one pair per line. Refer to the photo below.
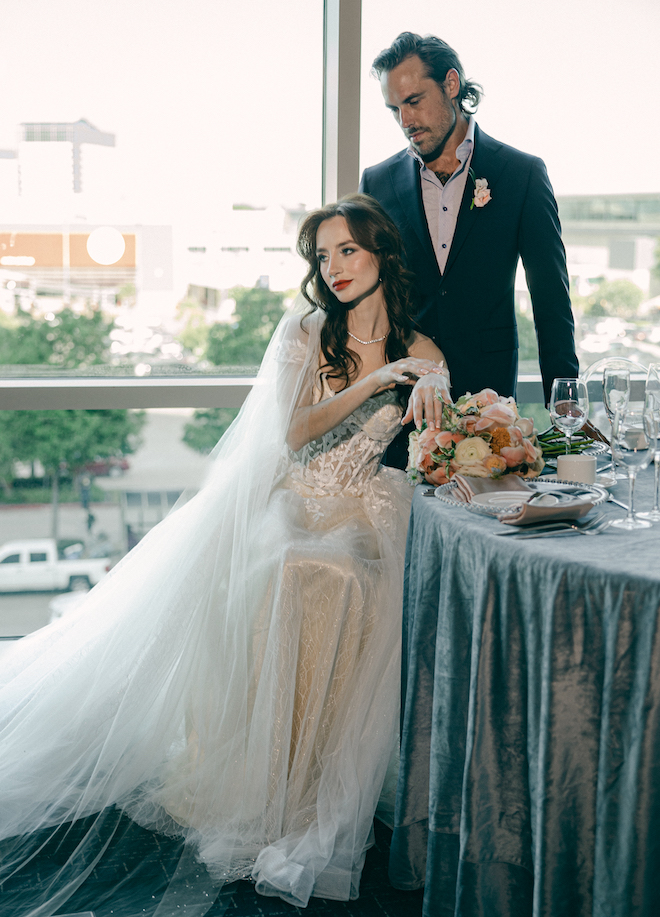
[481,191]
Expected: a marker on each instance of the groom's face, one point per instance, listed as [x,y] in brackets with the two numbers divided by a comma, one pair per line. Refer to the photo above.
[423,109]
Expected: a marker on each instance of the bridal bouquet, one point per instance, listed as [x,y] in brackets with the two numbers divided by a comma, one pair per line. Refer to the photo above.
[482,436]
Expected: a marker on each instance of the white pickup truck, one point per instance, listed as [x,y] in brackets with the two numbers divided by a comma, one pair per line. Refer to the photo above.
[34,565]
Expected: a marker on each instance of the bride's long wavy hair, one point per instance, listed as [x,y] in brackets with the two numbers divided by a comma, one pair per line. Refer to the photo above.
[374,231]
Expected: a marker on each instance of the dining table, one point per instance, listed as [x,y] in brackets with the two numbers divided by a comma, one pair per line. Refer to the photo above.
[529,777]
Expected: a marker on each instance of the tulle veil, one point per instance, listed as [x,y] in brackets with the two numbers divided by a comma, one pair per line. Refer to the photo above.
[108,716]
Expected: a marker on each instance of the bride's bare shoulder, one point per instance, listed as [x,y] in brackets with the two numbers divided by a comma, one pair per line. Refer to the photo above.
[419,345]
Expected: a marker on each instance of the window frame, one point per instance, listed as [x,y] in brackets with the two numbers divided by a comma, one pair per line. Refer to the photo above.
[342,39]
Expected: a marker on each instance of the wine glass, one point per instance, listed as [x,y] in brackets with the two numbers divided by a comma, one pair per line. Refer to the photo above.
[569,407]
[634,437]
[652,403]
[616,394]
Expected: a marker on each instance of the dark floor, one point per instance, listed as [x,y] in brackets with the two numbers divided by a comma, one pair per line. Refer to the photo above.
[146,861]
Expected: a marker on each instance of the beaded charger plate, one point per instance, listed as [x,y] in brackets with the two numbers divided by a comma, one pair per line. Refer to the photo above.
[508,502]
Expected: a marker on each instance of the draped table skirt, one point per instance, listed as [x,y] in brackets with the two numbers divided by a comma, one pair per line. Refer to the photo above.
[530,751]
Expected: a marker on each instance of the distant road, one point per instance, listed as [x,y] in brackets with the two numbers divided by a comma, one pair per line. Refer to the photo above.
[22,613]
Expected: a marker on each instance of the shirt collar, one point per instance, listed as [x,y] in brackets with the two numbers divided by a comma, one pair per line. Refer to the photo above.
[463,150]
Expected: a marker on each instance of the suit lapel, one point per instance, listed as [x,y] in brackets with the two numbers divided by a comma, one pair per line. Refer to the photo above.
[486,163]
[407,187]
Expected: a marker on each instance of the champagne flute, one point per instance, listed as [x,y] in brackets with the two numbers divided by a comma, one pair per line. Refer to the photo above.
[634,437]
[569,407]
[616,394]
[652,403]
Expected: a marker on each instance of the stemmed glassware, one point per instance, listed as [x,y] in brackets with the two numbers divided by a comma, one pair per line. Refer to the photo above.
[616,394]
[652,403]
[569,407]
[634,437]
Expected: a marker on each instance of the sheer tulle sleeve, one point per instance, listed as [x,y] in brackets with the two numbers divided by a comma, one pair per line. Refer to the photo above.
[115,710]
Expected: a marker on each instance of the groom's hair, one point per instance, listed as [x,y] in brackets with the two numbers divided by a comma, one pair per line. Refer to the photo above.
[438,58]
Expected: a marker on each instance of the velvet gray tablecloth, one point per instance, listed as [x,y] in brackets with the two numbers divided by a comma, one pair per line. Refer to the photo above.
[530,757]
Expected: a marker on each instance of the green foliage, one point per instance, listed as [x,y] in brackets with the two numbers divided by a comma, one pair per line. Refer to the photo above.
[194,335]
[70,340]
[244,341]
[206,428]
[60,439]
[68,439]
[612,297]
[527,346]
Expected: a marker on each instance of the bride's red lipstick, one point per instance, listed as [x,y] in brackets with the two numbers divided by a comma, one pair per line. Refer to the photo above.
[341,284]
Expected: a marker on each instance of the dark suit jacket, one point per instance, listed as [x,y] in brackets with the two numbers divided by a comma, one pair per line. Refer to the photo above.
[469,310]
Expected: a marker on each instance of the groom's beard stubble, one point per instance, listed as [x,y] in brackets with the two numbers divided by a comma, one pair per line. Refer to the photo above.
[438,150]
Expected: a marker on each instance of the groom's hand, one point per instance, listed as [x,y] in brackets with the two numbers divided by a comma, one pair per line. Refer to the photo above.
[424,403]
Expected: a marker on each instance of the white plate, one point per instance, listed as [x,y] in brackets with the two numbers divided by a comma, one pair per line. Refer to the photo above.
[603,480]
[503,498]
[594,494]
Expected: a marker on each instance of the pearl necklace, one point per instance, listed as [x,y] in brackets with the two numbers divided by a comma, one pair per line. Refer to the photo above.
[374,341]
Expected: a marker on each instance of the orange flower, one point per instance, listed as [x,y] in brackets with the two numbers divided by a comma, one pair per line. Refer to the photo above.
[495,464]
[500,439]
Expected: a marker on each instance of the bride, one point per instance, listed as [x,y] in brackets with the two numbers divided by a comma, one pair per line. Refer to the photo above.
[233,683]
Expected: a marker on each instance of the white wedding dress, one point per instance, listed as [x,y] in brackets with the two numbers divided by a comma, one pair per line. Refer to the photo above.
[235,680]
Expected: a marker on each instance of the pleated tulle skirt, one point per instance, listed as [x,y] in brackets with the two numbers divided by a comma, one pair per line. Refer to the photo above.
[232,685]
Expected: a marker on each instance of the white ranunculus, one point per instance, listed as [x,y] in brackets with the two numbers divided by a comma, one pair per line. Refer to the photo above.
[473,449]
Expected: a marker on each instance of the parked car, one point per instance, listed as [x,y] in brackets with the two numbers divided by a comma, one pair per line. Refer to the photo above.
[64,603]
[35,565]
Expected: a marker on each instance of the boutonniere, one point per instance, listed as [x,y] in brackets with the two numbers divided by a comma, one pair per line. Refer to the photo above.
[481,191]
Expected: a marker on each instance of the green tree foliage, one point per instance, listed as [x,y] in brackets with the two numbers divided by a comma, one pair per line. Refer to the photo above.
[612,297]
[206,428]
[527,346]
[69,439]
[60,440]
[70,340]
[243,342]
[194,334]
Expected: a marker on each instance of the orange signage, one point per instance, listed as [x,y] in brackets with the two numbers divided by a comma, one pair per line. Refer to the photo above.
[46,249]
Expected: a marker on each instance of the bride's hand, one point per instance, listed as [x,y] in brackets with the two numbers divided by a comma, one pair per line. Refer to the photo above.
[424,402]
[406,371]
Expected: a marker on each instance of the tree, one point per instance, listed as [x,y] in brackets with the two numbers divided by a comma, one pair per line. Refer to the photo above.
[612,297]
[70,340]
[206,428]
[243,342]
[66,441]
[60,440]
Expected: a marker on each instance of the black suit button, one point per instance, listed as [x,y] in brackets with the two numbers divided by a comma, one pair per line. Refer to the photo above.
[443,293]
[445,209]
[444,245]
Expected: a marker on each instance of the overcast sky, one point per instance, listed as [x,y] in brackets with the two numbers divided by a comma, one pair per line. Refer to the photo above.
[216,101]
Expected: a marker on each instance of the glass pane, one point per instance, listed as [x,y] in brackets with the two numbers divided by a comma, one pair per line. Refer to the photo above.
[547,74]
[53,545]
[153,182]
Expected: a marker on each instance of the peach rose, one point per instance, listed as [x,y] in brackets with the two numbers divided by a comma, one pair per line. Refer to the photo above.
[438,476]
[525,425]
[513,455]
[427,440]
[486,396]
[445,439]
[515,436]
[495,415]
[531,452]
[481,192]
[495,464]
[470,423]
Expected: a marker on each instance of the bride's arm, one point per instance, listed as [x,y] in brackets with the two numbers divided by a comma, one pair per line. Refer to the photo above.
[311,421]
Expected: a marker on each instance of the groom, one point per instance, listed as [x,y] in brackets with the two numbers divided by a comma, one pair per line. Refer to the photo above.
[467,207]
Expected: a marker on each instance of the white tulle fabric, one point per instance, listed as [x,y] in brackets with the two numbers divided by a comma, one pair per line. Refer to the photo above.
[235,679]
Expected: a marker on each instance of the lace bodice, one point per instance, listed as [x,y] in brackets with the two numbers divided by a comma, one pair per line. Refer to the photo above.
[348,456]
